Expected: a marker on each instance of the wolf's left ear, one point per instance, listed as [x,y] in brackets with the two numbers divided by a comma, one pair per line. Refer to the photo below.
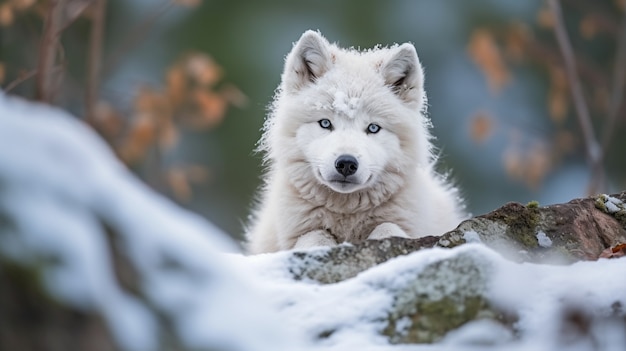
[403,74]
[308,60]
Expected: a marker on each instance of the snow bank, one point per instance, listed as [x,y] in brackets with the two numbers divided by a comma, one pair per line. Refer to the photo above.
[353,314]
[61,189]
[64,198]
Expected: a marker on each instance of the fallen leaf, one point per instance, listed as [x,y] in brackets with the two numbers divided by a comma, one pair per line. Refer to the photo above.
[616,251]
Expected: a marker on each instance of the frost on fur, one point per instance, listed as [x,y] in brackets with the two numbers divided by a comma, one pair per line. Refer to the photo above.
[348,151]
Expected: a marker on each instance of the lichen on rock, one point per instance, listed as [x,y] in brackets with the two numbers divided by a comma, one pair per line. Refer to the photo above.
[443,296]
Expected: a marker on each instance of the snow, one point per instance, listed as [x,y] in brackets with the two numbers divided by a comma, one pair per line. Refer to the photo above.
[471,236]
[612,204]
[342,104]
[543,239]
[59,184]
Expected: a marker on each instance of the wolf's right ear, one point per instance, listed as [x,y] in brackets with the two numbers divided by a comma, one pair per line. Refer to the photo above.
[308,60]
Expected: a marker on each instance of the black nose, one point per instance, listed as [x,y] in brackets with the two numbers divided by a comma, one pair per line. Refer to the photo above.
[346,165]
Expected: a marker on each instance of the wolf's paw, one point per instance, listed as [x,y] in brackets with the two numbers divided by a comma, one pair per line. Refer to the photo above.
[387,230]
[314,239]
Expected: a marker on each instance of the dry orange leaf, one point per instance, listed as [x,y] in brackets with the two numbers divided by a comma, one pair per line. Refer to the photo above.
[588,27]
[141,135]
[517,39]
[481,127]
[538,164]
[234,96]
[484,51]
[189,3]
[564,142]
[513,162]
[558,97]
[197,173]
[22,4]
[6,15]
[203,69]
[211,105]
[176,85]
[545,18]
[3,72]
[169,135]
[529,165]
[177,179]
[106,120]
[616,251]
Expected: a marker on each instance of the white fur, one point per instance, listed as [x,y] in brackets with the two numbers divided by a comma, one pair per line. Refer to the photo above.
[305,201]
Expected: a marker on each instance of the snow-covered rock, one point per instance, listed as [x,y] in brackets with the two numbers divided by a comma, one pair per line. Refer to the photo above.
[90,258]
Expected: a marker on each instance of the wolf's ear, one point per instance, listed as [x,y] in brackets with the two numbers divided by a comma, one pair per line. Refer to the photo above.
[308,60]
[403,74]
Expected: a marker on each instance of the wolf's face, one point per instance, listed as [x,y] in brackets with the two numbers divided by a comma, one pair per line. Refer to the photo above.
[346,154]
[350,120]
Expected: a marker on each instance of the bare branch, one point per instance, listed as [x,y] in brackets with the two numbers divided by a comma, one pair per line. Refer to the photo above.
[94,64]
[617,94]
[136,35]
[47,51]
[20,79]
[76,13]
[593,149]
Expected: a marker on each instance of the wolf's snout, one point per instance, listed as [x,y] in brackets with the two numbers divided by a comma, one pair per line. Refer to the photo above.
[346,165]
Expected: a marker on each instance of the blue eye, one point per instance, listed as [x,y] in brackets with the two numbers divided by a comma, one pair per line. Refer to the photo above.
[325,123]
[373,128]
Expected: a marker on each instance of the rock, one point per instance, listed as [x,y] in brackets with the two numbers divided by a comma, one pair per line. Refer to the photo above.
[90,259]
[562,233]
[441,298]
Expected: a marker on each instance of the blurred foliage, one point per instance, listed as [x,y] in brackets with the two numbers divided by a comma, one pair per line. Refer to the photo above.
[159,82]
[190,97]
[497,47]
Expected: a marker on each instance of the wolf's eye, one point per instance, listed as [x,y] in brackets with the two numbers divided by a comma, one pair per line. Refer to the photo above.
[373,128]
[325,123]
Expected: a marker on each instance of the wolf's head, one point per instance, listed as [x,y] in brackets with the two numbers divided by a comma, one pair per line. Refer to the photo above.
[346,121]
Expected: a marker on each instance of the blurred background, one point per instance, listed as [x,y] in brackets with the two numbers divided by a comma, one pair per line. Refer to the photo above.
[180,88]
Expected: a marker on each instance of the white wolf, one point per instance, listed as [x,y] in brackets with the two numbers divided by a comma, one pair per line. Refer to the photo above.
[348,152]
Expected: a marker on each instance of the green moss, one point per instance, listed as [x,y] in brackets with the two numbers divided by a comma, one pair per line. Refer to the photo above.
[600,203]
[521,223]
[533,204]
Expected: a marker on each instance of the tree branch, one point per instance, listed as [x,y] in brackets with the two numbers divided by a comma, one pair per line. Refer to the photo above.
[617,94]
[593,148]
[94,63]
[136,34]
[47,51]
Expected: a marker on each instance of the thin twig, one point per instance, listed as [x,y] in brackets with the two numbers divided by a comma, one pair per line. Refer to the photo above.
[617,95]
[19,80]
[48,50]
[136,35]
[76,14]
[593,149]
[95,58]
